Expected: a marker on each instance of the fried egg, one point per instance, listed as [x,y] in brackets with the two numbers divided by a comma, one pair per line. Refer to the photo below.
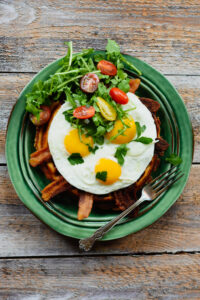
[64,140]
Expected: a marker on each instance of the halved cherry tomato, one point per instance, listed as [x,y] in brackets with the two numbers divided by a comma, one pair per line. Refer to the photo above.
[84,112]
[107,110]
[107,68]
[89,83]
[118,96]
[134,85]
[43,117]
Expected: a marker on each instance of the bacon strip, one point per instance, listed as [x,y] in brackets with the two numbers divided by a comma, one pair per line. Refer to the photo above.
[46,131]
[151,104]
[54,188]
[161,146]
[38,137]
[84,205]
[40,156]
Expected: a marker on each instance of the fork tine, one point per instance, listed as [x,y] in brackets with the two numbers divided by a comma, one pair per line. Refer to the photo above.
[167,186]
[155,179]
[167,179]
[167,175]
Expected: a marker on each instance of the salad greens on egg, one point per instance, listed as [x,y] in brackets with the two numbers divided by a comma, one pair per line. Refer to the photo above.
[95,85]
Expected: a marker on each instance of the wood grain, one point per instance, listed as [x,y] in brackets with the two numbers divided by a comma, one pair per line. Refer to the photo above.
[21,234]
[136,277]
[12,84]
[163,33]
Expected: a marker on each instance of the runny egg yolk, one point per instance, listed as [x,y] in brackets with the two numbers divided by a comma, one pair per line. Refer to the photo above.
[128,134]
[112,168]
[73,143]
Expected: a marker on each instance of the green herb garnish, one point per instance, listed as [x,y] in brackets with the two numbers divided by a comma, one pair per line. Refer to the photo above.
[101,175]
[75,159]
[140,129]
[92,149]
[64,85]
[114,55]
[121,153]
[144,140]
[174,159]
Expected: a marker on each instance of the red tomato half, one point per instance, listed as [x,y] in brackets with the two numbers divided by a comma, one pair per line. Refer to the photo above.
[107,68]
[84,112]
[89,83]
[118,96]
[43,117]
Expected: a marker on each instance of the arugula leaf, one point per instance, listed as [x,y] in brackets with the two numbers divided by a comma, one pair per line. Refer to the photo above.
[121,153]
[112,47]
[140,129]
[113,54]
[144,140]
[99,57]
[75,159]
[101,175]
[121,74]
[124,85]
[174,159]
[70,98]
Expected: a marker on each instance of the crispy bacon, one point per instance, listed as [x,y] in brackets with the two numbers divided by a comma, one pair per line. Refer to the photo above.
[46,131]
[151,104]
[123,199]
[54,188]
[161,146]
[40,156]
[84,205]
[38,137]
[46,172]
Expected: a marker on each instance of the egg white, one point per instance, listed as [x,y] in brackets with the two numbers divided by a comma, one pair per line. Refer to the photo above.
[82,176]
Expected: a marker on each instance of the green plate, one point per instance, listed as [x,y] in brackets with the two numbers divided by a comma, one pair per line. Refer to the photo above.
[60,213]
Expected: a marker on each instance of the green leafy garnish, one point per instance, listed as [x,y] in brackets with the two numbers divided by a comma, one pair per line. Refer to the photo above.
[174,159]
[144,140]
[92,149]
[121,153]
[75,159]
[124,85]
[64,85]
[101,175]
[140,129]
[114,55]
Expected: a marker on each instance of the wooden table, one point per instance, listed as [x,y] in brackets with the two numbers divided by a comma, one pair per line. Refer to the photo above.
[160,262]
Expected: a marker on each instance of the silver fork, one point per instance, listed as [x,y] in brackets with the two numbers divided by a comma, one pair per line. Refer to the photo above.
[150,192]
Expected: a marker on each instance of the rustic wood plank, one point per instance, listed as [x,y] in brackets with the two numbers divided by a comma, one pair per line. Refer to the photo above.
[21,234]
[12,84]
[162,33]
[139,277]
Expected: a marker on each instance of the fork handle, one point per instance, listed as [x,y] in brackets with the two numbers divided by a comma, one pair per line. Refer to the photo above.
[87,243]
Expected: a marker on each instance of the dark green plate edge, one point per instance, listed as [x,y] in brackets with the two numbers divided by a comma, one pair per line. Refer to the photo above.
[124,229]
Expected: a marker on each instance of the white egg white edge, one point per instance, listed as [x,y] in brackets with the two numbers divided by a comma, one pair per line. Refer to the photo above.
[82,176]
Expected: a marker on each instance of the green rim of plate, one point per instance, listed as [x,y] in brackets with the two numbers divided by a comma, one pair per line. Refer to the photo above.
[175,128]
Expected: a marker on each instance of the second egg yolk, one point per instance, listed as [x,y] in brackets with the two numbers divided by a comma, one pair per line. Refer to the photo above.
[128,134]
[112,169]
[73,143]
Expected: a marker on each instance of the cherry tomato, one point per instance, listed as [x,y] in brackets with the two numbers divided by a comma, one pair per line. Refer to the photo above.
[43,117]
[84,112]
[107,68]
[118,96]
[89,83]
[107,110]
[134,85]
